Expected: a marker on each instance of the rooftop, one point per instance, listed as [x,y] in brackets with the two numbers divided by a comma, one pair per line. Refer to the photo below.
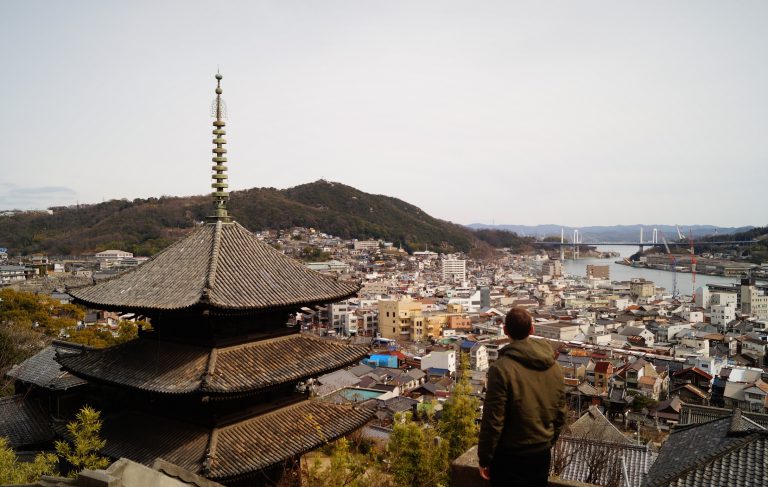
[218,265]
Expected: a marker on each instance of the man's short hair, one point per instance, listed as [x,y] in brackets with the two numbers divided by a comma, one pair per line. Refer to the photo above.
[517,324]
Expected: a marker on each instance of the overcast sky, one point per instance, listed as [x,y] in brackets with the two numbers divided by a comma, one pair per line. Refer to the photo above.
[573,112]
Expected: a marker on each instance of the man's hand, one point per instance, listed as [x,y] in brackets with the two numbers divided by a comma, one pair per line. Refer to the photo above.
[485,472]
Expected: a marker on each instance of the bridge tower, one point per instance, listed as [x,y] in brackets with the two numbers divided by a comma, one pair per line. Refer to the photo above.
[562,244]
[576,242]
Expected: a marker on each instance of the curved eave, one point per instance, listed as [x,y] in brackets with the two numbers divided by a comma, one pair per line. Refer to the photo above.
[199,386]
[214,307]
[316,435]
[245,391]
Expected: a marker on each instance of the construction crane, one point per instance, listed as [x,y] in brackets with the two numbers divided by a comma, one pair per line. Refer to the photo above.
[673,263]
[693,266]
[680,237]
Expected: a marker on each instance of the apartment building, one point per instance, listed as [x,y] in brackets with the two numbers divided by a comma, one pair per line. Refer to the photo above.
[552,268]
[641,288]
[753,303]
[454,270]
[402,320]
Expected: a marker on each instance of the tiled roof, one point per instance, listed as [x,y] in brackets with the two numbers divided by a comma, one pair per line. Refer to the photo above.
[24,422]
[42,369]
[175,368]
[602,367]
[695,414]
[588,459]
[233,451]
[730,451]
[221,265]
[694,370]
[594,425]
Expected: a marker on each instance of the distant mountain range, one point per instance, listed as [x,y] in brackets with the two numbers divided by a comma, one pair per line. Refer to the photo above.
[615,233]
[145,226]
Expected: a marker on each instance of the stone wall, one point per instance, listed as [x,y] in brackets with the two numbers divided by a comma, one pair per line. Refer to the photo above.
[464,472]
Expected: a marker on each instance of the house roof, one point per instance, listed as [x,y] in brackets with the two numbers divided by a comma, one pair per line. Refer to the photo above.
[732,451]
[23,421]
[218,265]
[233,451]
[695,414]
[602,367]
[693,390]
[42,369]
[361,369]
[693,370]
[176,368]
[609,458]
[595,426]
[336,380]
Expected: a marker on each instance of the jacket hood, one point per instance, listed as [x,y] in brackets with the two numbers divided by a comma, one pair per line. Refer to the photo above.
[534,354]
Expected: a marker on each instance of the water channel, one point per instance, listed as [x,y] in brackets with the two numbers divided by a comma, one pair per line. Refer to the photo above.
[619,272]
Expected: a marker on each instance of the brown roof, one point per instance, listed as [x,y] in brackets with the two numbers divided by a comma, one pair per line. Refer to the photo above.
[221,265]
[23,421]
[693,370]
[602,367]
[175,368]
[236,450]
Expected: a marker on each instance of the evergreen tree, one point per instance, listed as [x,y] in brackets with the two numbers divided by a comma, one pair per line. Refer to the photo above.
[84,432]
[12,471]
[418,457]
[458,425]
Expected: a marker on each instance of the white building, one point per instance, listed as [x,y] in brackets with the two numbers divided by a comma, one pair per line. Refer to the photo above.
[693,316]
[440,360]
[753,303]
[342,318]
[13,273]
[723,299]
[720,315]
[366,245]
[478,357]
[454,270]
[113,255]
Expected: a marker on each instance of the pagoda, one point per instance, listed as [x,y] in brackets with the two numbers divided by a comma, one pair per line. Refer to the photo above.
[213,387]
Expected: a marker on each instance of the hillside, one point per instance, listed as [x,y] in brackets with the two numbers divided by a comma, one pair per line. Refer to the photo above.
[145,226]
[756,253]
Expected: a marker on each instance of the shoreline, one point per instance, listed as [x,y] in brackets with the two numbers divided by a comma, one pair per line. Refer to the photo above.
[682,271]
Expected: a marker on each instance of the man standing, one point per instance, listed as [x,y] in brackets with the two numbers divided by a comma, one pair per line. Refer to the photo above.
[524,408]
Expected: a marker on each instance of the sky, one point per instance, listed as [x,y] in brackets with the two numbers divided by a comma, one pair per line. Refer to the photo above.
[506,112]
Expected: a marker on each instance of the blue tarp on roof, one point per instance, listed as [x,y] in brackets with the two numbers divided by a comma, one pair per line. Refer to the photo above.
[382,361]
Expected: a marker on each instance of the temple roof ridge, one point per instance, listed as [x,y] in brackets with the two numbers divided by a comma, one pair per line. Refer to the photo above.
[220,266]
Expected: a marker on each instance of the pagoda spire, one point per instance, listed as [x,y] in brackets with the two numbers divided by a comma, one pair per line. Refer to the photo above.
[219,176]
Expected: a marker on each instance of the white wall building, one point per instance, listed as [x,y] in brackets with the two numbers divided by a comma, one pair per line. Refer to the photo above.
[720,315]
[478,357]
[366,245]
[114,255]
[454,270]
[439,360]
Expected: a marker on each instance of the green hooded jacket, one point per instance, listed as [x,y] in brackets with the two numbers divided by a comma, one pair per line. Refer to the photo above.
[524,408]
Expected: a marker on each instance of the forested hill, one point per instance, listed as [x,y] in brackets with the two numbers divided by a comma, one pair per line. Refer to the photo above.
[145,226]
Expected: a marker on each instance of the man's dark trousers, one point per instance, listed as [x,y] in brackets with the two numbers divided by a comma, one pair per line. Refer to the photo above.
[520,469]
